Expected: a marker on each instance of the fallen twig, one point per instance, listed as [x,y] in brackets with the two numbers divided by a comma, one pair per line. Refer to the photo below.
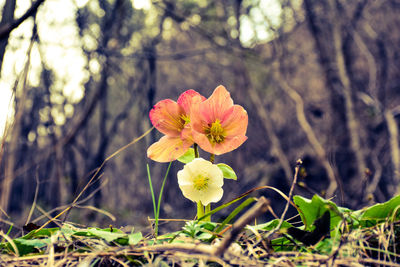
[258,209]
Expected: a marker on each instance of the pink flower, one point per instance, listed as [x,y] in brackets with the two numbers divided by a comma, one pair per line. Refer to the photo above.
[173,120]
[218,126]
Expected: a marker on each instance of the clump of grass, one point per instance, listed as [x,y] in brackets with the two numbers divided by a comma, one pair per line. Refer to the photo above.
[157,208]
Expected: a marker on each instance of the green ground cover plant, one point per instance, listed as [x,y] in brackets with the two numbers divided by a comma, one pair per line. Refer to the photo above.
[365,236]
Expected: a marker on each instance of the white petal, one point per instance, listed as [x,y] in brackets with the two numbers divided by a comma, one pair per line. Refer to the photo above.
[190,192]
[184,178]
[208,169]
[198,165]
[201,167]
[213,195]
[216,175]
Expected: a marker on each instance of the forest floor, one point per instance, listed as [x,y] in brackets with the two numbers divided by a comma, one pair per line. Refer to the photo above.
[328,236]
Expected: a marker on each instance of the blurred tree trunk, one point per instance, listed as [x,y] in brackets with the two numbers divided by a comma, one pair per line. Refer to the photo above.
[110,31]
[6,19]
[152,65]
[322,18]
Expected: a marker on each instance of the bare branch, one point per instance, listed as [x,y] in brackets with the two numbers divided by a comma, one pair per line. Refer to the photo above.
[352,122]
[312,138]
[257,210]
[394,146]
[7,28]
[276,148]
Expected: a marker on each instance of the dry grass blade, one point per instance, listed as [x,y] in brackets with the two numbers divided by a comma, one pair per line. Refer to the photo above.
[66,206]
[106,213]
[298,165]
[95,175]
[11,242]
[28,219]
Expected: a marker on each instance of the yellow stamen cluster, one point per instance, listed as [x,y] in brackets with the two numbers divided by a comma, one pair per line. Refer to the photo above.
[200,182]
[186,119]
[215,133]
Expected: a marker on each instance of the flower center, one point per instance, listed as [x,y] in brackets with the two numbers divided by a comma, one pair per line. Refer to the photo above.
[200,182]
[185,119]
[215,133]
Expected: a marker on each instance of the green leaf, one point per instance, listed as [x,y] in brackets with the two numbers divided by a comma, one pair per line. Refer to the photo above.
[83,232]
[209,226]
[134,238]
[168,236]
[268,226]
[322,229]
[69,230]
[26,246]
[106,234]
[41,233]
[198,230]
[227,171]
[282,244]
[188,156]
[310,210]
[204,236]
[381,211]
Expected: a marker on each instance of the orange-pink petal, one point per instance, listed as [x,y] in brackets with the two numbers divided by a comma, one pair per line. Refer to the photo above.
[218,126]
[198,118]
[208,111]
[166,116]
[186,134]
[168,148]
[236,123]
[229,144]
[217,104]
[187,99]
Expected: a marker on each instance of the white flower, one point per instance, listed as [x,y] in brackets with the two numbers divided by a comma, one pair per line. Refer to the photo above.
[200,180]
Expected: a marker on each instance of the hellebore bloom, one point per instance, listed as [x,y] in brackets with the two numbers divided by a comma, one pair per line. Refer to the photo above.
[173,120]
[200,180]
[219,126]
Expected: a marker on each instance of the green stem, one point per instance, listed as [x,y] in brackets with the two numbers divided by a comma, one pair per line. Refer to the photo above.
[200,207]
[208,207]
[200,210]
[207,210]
[196,150]
[212,158]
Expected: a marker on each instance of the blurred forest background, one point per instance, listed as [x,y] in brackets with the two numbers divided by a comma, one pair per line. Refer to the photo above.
[320,81]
